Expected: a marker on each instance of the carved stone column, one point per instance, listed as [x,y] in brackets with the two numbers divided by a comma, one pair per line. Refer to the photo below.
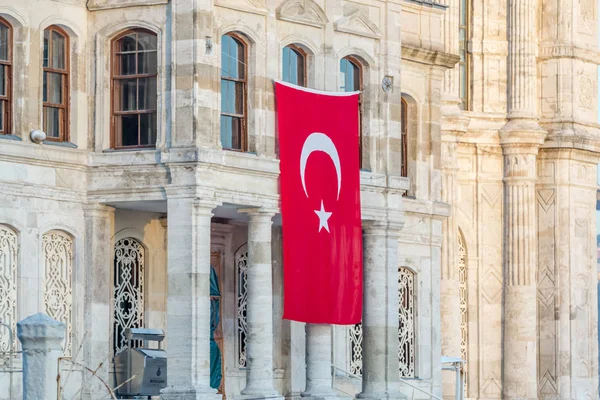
[520,139]
[188,301]
[259,345]
[520,264]
[380,374]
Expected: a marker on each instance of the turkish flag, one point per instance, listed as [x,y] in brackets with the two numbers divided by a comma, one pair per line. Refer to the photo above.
[320,205]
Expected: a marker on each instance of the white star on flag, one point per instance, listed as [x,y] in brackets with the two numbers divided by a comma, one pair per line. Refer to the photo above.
[323,217]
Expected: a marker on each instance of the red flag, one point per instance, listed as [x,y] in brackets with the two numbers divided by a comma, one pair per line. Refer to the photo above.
[320,205]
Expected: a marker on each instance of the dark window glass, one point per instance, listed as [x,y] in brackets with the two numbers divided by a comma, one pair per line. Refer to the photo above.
[233,93]
[5,75]
[294,66]
[55,95]
[351,81]
[135,70]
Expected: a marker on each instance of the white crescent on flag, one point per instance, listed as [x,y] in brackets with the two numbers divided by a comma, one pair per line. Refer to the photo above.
[320,142]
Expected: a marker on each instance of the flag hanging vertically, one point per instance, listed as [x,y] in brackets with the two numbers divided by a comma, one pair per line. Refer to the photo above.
[320,205]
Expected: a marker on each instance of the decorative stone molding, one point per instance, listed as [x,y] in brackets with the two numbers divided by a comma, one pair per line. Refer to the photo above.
[249,6]
[95,5]
[358,23]
[429,57]
[548,51]
[305,12]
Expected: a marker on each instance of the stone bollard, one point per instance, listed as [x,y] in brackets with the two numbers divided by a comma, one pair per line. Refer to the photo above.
[41,339]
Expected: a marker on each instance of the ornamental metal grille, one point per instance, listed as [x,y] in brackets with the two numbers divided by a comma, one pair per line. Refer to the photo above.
[406,330]
[129,290]
[57,248]
[355,334]
[406,316]
[462,290]
[241,266]
[8,286]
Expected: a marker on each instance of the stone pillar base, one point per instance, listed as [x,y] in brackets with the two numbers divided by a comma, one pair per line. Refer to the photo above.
[189,393]
[259,397]
[324,396]
[382,396]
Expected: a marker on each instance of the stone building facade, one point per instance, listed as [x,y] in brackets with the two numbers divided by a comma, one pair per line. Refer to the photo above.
[154,199]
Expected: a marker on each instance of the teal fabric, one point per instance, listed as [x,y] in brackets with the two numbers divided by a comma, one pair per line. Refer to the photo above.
[215,352]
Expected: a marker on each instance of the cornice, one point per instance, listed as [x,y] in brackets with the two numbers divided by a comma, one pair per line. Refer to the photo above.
[95,5]
[550,51]
[429,57]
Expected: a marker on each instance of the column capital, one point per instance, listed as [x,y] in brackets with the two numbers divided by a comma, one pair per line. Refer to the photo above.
[256,213]
[40,332]
[97,209]
[522,135]
[204,206]
[382,228]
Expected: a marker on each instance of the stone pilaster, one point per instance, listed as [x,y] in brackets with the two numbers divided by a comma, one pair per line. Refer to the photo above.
[520,309]
[567,274]
[380,375]
[449,285]
[188,301]
[99,220]
[319,385]
[259,345]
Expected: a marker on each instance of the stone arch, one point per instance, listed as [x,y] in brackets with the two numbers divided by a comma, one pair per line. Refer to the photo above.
[57,287]
[128,286]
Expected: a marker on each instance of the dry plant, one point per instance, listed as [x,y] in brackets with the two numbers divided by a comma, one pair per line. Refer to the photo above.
[93,374]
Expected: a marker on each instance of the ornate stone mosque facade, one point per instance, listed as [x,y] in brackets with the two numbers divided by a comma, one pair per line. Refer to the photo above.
[155,194]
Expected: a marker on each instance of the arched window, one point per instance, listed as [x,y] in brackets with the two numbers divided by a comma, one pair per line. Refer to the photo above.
[351,80]
[406,315]
[241,289]
[462,291]
[294,65]
[234,81]
[57,249]
[5,75]
[134,89]
[56,84]
[128,290]
[465,57]
[404,138]
[9,254]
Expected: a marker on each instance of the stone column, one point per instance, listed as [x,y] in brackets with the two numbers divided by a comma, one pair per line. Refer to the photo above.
[188,301]
[380,374]
[520,139]
[319,383]
[41,339]
[259,345]
[98,255]
[520,288]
